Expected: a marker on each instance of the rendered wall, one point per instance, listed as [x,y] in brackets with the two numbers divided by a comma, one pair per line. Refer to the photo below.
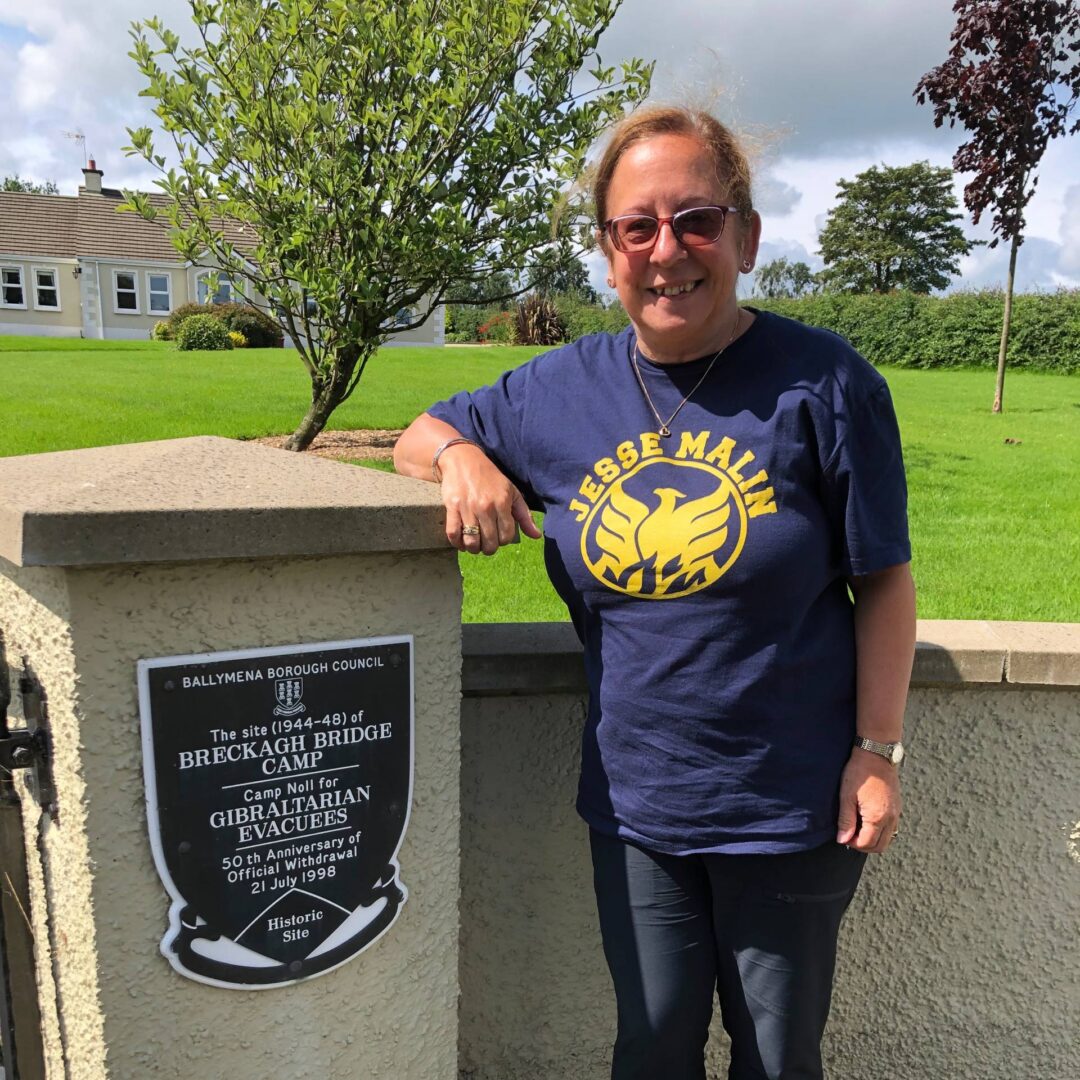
[960,955]
[34,320]
[391,1009]
[96,591]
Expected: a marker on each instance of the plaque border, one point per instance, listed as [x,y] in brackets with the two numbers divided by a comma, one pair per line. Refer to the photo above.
[177,901]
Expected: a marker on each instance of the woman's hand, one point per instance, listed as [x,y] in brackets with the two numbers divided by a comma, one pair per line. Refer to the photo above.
[884,647]
[483,509]
[869,802]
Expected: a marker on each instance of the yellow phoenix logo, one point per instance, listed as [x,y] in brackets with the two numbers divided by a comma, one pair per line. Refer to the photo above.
[665,529]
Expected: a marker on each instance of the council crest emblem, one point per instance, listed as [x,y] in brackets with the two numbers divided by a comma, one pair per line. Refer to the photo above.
[665,528]
[287,693]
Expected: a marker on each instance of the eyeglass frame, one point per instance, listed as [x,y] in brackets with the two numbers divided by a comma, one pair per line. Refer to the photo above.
[670,221]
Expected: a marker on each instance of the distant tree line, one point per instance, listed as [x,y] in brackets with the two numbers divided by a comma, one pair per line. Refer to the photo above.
[16,183]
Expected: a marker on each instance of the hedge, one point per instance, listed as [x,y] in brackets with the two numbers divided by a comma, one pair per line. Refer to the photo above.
[904,329]
[259,329]
[203,332]
[899,329]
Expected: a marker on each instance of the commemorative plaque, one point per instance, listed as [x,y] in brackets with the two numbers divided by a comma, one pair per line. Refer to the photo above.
[278,787]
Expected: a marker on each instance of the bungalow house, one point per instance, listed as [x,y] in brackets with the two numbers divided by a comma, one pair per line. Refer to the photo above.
[71,266]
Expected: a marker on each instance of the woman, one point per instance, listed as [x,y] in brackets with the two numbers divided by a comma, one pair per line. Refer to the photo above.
[726,522]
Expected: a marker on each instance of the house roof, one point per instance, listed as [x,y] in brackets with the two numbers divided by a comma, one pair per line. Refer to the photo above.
[88,225]
[37,224]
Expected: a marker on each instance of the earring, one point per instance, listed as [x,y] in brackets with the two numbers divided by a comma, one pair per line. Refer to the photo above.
[611,283]
[747,264]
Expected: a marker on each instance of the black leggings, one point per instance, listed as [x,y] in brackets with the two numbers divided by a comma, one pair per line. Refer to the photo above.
[758,930]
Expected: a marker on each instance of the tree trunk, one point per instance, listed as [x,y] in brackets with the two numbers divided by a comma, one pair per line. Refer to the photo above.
[327,393]
[1003,351]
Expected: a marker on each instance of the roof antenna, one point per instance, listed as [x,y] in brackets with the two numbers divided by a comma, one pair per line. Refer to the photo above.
[78,136]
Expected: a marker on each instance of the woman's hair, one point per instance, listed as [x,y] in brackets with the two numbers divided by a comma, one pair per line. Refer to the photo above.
[729,157]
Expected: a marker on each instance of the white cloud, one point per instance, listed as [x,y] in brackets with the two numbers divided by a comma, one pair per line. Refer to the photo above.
[70,71]
[826,86]
[34,87]
[1069,263]
[596,264]
[774,197]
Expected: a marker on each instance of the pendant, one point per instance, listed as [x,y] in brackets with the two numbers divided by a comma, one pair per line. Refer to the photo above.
[664,432]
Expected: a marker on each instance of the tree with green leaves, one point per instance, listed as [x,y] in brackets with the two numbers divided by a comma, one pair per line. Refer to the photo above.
[558,271]
[495,288]
[1011,80]
[894,227]
[381,156]
[16,183]
[781,278]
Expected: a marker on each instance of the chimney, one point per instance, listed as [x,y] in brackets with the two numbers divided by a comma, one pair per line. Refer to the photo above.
[92,178]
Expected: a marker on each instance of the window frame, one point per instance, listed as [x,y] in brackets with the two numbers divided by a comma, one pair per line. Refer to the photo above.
[201,283]
[55,286]
[134,275]
[152,292]
[4,286]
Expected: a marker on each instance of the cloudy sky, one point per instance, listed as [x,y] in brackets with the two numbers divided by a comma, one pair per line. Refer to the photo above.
[822,87]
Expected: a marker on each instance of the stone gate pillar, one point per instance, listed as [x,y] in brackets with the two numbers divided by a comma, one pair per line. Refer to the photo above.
[239,559]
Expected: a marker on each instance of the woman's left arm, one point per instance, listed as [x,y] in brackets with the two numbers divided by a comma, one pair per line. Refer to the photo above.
[884,650]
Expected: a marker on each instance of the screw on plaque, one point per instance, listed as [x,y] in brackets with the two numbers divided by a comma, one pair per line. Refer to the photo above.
[396,660]
[184,847]
[296,966]
[169,685]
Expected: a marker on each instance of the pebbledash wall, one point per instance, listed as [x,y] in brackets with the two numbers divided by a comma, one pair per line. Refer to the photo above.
[959,957]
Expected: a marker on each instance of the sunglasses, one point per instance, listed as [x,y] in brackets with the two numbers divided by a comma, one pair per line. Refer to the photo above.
[695,227]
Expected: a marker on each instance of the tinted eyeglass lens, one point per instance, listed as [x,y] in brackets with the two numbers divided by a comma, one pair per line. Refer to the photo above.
[696,228]
[632,233]
[700,226]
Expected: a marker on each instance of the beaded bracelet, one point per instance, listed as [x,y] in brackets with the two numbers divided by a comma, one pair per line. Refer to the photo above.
[436,474]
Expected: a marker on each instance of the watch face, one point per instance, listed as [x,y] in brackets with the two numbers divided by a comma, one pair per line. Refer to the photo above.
[897,753]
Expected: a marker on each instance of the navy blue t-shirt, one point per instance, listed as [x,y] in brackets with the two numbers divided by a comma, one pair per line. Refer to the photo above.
[705,573]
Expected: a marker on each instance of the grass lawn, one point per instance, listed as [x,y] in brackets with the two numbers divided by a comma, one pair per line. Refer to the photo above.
[70,393]
[995,524]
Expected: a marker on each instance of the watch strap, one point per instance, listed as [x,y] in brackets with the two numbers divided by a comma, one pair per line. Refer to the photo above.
[892,752]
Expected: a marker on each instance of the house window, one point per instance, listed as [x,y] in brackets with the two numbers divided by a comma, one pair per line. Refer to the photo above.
[224,294]
[159,289]
[11,287]
[125,293]
[46,290]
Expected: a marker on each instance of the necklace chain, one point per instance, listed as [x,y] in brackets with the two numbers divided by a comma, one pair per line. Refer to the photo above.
[665,428]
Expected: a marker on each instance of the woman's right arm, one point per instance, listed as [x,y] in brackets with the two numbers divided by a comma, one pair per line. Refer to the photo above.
[474,491]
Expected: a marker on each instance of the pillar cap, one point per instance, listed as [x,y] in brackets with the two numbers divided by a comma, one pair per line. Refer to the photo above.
[185,500]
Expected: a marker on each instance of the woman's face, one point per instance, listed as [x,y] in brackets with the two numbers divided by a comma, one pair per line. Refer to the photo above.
[660,177]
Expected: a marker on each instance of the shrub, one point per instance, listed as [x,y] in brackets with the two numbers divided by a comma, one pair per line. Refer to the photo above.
[577,317]
[184,312]
[161,331]
[203,332]
[580,318]
[238,340]
[537,322]
[260,330]
[463,321]
[903,329]
[499,329]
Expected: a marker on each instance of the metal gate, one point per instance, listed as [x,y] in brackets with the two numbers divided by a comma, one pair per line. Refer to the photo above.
[21,1051]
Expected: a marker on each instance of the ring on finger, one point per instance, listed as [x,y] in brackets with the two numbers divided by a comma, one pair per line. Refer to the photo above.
[470,530]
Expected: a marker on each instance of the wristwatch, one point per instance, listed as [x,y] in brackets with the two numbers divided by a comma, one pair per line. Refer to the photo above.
[893,752]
